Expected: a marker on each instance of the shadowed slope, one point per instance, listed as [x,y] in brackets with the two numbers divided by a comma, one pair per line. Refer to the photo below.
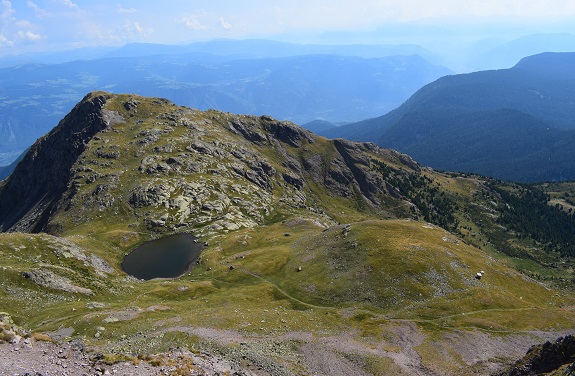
[32,191]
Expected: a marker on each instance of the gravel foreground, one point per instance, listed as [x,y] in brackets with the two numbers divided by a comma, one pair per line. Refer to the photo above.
[39,358]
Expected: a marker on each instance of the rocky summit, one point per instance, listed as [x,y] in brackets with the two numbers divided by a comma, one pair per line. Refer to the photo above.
[173,168]
[323,257]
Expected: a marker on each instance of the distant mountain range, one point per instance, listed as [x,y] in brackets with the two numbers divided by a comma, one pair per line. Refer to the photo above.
[516,124]
[218,49]
[469,122]
[319,126]
[261,49]
[6,170]
[508,54]
[34,97]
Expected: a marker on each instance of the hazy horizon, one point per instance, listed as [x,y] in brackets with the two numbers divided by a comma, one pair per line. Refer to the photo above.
[56,25]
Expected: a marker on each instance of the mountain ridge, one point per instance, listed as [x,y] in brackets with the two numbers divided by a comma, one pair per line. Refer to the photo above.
[48,161]
[534,94]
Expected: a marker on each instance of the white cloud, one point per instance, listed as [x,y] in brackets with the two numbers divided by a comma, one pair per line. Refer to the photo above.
[70,4]
[123,10]
[14,31]
[224,24]
[39,12]
[138,28]
[127,32]
[134,28]
[192,23]
[5,42]
[7,10]
[28,35]
[23,23]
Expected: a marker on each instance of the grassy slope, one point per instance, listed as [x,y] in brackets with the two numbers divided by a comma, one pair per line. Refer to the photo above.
[399,272]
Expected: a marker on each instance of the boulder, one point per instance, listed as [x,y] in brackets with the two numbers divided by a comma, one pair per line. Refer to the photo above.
[47,278]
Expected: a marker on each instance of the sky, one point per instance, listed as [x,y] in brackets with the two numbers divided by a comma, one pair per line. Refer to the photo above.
[52,25]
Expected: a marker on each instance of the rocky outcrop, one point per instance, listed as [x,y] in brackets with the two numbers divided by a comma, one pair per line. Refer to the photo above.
[357,160]
[283,131]
[248,130]
[32,192]
[9,331]
[151,196]
[293,180]
[132,106]
[47,278]
[287,132]
[545,358]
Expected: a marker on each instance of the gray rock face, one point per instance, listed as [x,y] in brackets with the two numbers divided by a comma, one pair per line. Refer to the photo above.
[358,163]
[293,180]
[250,131]
[148,137]
[288,132]
[200,147]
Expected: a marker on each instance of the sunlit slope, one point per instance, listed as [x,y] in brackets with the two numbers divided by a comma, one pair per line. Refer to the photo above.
[405,269]
[360,281]
[401,269]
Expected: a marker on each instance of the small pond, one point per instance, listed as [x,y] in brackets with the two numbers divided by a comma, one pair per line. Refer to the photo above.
[167,257]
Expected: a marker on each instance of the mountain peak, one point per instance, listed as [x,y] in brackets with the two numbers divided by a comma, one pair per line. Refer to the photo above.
[175,167]
[40,178]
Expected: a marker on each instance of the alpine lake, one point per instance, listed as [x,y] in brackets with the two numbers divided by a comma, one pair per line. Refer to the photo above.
[168,257]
